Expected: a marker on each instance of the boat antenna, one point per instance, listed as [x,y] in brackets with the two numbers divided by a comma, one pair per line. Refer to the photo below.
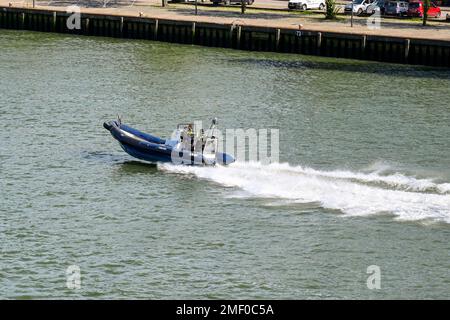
[213,126]
[213,123]
[119,119]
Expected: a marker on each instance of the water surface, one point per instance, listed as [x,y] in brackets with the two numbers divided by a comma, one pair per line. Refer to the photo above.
[363,177]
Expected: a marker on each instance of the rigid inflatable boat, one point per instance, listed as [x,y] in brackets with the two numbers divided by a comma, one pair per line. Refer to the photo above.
[186,146]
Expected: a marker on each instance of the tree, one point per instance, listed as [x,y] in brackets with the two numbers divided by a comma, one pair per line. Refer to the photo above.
[426,6]
[243,6]
[331,9]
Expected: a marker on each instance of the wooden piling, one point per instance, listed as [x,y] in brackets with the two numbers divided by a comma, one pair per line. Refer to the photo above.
[277,39]
[155,32]
[407,46]
[319,43]
[54,21]
[231,35]
[363,47]
[22,20]
[238,37]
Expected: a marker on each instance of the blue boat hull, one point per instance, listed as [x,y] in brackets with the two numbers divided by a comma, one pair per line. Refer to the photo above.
[153,149]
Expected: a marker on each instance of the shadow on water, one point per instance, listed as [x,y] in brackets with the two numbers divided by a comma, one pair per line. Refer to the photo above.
[105,157]
[137,167]
[123,162]
[407,71]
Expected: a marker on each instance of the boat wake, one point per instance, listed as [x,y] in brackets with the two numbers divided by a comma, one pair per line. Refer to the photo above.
[353,193]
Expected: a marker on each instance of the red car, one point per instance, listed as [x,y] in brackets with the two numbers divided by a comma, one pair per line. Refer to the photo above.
[415,9]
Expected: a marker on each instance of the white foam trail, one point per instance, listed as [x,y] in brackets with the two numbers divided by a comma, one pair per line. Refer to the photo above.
[353,193]
[444,188]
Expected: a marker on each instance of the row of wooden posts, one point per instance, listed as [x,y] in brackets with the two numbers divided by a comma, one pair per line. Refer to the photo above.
[236,36]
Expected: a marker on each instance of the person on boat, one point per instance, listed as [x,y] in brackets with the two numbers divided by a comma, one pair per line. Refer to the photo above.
[203,139]
[185,137]
[190,134]
[190,131]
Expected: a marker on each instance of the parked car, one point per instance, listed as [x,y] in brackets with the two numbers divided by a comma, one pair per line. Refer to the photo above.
[396,8]
[364,6]
[415,9]
[306,4]
[377,5]
[228,2]
[382,5]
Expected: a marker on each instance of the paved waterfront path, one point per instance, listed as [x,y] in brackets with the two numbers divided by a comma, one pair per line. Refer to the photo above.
[437,30]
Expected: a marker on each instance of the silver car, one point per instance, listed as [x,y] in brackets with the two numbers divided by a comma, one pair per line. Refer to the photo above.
[396,8]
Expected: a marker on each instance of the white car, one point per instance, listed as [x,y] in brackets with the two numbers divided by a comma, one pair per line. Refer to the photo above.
[363,7]
[306,4]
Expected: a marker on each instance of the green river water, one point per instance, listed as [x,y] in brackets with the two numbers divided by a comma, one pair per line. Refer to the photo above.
[363,177]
